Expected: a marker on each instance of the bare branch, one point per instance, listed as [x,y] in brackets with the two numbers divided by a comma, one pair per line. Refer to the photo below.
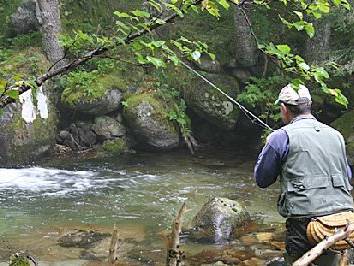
[325,244]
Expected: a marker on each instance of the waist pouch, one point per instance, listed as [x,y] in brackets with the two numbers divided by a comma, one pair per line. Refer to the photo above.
[322,227]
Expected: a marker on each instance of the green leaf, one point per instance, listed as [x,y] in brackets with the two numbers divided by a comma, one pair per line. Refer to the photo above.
[323,7]
[141,14]
[310,30]
[212,56]
[121,14]
[174,59]
[3,84]
[299,14]
[157,62]
[224,4]
[304,66]
[12,94]
[283,48]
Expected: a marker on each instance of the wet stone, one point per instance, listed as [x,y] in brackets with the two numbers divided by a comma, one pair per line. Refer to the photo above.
[82,239]
[218,221]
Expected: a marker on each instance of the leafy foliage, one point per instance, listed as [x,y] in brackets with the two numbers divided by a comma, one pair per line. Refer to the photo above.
[176,106]
[260,94]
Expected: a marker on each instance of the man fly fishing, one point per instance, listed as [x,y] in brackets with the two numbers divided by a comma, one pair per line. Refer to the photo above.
[310,159]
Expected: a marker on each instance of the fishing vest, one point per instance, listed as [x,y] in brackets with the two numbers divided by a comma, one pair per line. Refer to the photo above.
[314,179]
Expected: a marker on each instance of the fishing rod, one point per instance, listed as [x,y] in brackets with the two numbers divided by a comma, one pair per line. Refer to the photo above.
[254,119]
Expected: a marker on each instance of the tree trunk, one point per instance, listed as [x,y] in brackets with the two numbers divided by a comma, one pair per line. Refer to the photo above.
[245,44]
[317,47]
[49,17]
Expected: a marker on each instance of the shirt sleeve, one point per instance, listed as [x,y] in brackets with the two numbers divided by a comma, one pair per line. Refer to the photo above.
[269,164]
[350,171]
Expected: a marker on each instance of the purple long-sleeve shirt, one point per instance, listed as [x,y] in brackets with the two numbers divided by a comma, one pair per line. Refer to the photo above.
[272,157]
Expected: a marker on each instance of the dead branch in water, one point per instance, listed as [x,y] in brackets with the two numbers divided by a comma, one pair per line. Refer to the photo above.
[312,254]
[113,247]
[174,254]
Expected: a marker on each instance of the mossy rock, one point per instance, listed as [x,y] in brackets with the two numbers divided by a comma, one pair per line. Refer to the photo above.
[206,101]
[21,141]
[101,97]
[146,116]
[114,147]
[345,124]
[18,65]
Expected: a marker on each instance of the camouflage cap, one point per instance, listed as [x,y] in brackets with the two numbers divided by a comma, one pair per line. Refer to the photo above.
[289,96]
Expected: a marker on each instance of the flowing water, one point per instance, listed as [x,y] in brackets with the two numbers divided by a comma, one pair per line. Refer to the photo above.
[139,193]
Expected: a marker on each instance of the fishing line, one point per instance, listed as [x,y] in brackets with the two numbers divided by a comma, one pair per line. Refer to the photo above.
[254,119]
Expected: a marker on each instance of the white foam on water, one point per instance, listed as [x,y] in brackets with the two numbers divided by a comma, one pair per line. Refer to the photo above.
[53,181]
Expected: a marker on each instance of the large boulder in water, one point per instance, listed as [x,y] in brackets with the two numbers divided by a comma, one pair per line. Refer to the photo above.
[24,20]
[147,117]
[218,220]
[345,124]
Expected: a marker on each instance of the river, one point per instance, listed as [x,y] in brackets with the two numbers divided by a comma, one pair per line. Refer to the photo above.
[139,193]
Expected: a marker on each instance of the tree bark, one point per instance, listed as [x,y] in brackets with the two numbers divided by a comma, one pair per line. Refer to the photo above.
[317,47]
[49,17]
[245,43]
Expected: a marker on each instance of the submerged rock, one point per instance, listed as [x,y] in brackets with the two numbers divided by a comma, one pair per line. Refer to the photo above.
[82,239]
[147,118]
[218,220]
[24,20]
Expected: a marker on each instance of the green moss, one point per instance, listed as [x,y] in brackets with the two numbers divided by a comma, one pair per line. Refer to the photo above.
[19,261]
[132,102]
[114,147]
[95,88]
[18,65]
[345,124]
[160,109]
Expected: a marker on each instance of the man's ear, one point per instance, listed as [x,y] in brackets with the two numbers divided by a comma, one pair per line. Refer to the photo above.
[283,108]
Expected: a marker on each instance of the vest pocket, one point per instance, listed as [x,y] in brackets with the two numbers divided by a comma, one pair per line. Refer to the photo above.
[305,183]
[339,181]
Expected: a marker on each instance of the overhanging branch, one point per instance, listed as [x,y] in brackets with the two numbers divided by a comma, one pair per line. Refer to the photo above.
[54,72]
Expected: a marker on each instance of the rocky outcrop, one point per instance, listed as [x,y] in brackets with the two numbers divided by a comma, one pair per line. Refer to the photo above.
[24,20]
[107,103]
[345,124]
[106,135]
[146,117]
[218,220]
[210,104]
[78,136]
[27,128]
[108,128]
